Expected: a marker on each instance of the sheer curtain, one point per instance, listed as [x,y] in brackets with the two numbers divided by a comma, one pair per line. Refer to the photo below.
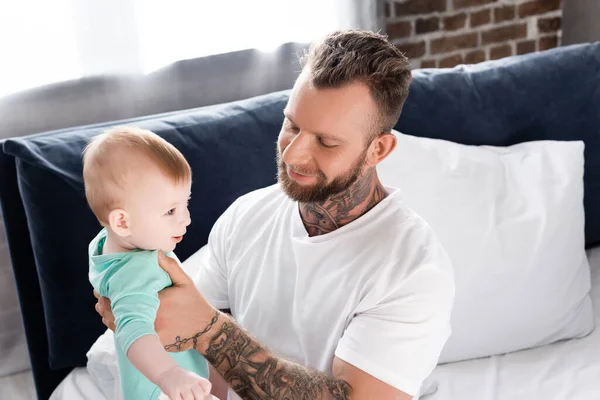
[74,62]
[45,42]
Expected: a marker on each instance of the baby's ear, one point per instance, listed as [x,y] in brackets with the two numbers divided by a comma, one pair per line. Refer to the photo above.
[119,222]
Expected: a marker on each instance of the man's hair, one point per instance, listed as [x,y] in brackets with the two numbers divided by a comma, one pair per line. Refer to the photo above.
[349,56]
[108,162]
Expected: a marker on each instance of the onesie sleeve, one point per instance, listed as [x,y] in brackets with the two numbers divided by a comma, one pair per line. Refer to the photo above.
[400,339]
[133,291]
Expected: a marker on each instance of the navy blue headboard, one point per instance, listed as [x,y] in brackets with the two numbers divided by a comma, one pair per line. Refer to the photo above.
[554,95]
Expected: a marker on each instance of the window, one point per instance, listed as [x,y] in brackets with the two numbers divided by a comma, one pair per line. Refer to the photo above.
[45,42]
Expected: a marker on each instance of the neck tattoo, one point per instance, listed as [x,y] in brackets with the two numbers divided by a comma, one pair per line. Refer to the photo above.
[320,218]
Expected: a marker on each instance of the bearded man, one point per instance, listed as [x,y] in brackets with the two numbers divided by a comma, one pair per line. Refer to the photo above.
[324,285]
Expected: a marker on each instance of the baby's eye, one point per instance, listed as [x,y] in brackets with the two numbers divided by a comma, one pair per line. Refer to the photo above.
[171,211]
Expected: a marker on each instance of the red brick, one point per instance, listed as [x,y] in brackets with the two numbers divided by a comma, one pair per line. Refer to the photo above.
[425,25]
[455,22]
[536,7]
[412,7]
[399,30]
[480,18]
[501,51]
[549,24]
[527,46]
[548,42]
[453,43]
[475,57]
[504,33]
[412,50]
[505,13]
[471,3]
[451,61]
[428,64]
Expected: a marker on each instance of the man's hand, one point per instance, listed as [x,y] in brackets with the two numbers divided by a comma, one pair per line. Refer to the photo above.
[103,308]
[183,313]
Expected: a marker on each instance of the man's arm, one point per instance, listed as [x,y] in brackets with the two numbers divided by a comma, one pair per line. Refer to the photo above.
[253,371]
[219,385]
[185,320]
[365,386]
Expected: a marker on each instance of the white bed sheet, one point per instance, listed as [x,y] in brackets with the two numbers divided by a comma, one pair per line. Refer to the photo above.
[78,385]
[568,370]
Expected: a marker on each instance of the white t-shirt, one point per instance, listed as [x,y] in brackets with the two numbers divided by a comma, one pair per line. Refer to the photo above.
[377,293]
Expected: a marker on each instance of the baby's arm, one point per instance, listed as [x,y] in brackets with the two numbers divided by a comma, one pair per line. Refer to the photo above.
[151,359]
[133,291]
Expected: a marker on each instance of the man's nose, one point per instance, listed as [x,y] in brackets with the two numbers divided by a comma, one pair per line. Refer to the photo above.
[298,151]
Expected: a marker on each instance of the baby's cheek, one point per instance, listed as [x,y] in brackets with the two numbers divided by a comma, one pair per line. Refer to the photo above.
[168,246]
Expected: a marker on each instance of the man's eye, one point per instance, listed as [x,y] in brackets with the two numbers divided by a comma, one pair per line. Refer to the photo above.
[171,211]
[326,145]
[289,126]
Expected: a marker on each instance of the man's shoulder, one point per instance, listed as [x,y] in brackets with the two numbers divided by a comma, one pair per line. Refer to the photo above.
[413,264]
[404,222]
[413,244]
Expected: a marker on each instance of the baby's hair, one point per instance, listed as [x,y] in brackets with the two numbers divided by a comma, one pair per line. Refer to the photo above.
[107,161]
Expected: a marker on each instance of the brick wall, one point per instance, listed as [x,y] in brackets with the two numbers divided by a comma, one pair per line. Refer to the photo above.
[444,33]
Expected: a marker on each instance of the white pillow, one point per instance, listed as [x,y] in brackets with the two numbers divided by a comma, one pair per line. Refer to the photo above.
[512,221]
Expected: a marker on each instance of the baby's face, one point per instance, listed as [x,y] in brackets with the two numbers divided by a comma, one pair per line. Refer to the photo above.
[158,212]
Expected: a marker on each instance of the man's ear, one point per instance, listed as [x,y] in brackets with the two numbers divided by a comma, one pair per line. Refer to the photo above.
[381,147]
[118,221]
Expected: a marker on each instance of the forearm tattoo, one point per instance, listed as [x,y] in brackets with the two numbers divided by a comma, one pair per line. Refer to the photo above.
[191,342]
[256,373]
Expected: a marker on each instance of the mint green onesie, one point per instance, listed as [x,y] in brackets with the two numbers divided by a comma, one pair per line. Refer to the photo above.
[132,280]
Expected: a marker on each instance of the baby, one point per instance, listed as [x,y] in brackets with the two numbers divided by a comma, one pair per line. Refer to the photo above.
[138,186]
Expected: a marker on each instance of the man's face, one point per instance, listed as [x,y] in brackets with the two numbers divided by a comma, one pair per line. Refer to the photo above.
[322,146]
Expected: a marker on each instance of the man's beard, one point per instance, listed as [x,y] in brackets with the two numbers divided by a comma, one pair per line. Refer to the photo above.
[321,190]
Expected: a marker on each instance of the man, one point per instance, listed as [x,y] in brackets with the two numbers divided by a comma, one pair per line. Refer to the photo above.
[336,289]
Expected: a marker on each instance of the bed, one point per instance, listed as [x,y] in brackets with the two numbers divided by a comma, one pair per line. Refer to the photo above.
[567,370]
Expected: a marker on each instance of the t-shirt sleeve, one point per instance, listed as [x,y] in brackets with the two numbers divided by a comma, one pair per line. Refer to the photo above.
[133,291]
[210,264]
[399,340]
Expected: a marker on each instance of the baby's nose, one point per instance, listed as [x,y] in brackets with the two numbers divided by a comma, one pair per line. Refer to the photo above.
[188,219]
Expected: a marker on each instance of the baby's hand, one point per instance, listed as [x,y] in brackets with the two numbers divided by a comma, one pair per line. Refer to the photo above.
[177,383]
